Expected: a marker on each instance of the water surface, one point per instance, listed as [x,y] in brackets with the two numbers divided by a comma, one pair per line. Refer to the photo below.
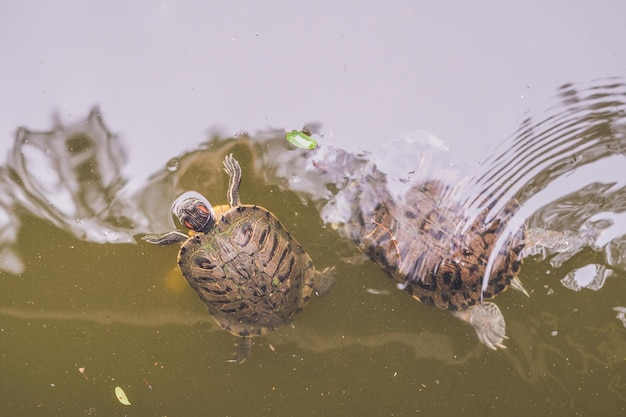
[83,298]
[176,87]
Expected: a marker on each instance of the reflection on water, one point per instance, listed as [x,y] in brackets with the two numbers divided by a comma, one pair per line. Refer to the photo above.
[566,169]
[145,319]
[69,176]
[621,314]
[566,348]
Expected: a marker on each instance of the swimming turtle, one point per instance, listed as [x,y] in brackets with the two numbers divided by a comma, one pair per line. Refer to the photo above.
[420,246]
[413,225]
[250,272]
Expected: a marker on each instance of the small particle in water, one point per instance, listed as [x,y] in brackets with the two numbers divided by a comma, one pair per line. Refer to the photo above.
[301,140]
[82,371]
[395,374]
[172,164]
[377,291]
[554,333]
[272,348]
[121,396]
[145,381]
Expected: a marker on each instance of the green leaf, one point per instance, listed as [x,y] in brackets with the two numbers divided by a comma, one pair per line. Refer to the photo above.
[121,396]
[300,140]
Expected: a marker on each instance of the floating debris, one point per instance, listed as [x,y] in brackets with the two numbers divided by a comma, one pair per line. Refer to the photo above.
[377,291]
[621,314]
[173,164]
[121,396]
[301,140]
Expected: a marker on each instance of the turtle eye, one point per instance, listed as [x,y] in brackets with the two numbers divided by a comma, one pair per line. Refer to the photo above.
[200,206]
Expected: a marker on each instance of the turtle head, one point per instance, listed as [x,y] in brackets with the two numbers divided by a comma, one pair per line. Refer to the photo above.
[194,211]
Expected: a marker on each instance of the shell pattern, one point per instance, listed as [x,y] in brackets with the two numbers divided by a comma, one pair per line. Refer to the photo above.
[418,244]
[249,271]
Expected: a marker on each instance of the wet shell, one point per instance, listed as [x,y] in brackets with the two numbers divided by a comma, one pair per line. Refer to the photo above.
[419,246]
[249,271]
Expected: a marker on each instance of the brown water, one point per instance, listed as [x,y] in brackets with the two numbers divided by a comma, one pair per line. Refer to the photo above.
[123,315]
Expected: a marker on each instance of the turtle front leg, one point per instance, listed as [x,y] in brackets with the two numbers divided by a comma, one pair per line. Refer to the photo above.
[488,323]
[232,168]
[166,238]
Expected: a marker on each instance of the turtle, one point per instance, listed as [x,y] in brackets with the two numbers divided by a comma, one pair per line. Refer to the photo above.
[251,274]
[417,228]
[415,243]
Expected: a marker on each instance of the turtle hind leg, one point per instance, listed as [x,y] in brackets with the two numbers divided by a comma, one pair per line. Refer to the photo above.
[243,347]
[488,323]
[324,280]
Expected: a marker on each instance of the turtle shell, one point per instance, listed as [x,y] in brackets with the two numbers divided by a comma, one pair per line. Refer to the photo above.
[418,243]
[250,272]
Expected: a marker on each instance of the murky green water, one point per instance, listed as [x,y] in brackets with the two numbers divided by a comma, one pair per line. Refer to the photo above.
[108,309]
[83,318]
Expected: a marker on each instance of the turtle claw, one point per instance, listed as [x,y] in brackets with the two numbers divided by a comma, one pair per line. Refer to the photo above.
[498,345]
[516,284]
[488,323]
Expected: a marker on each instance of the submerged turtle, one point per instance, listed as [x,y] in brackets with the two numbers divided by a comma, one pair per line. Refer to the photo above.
[250,272]
[418,244]
[421,235]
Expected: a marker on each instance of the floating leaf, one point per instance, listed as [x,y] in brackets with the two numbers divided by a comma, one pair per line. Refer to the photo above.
[121,396]
[300,140]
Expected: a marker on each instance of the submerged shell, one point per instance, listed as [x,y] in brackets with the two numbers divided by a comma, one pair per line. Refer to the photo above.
[249,271]
[421,246]
[413,211]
